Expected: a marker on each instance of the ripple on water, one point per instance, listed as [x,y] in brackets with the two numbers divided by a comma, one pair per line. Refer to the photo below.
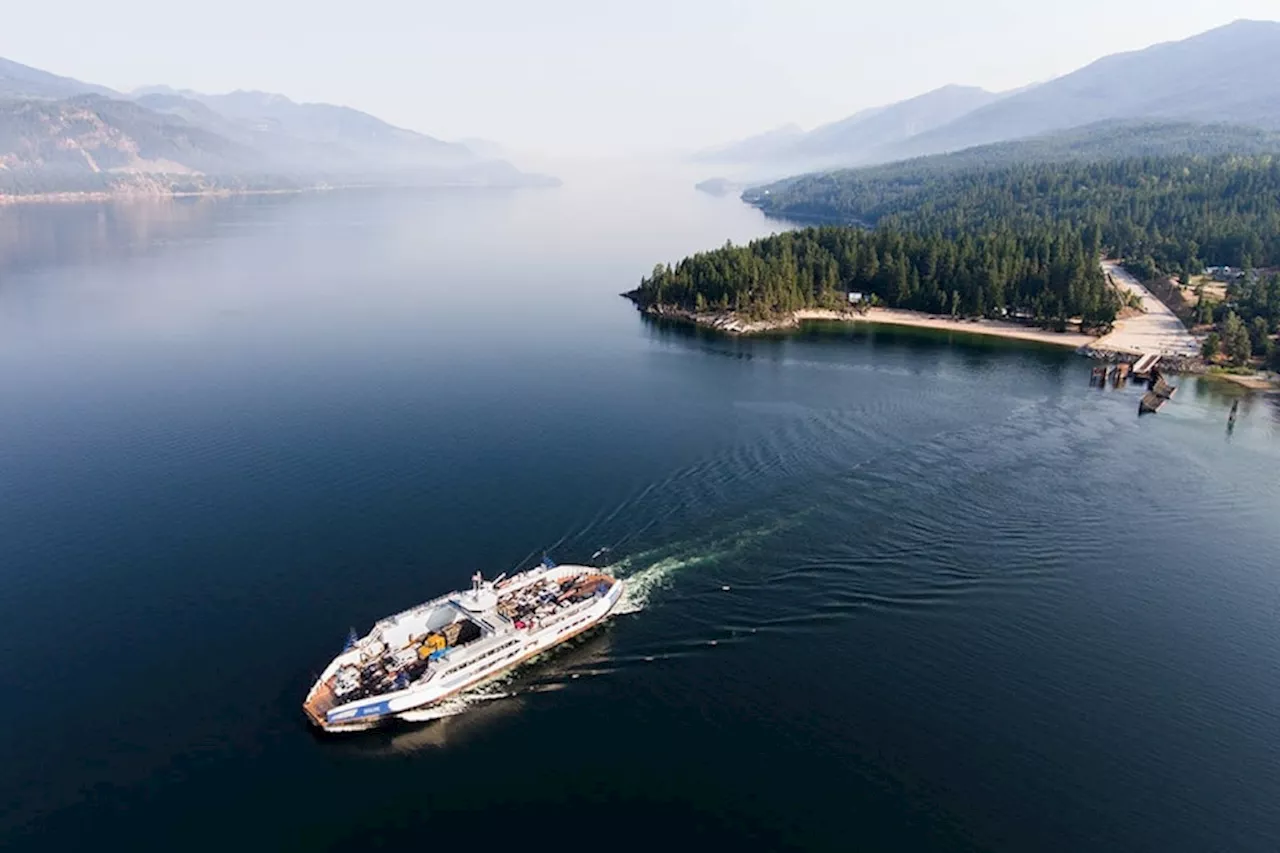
[817,514]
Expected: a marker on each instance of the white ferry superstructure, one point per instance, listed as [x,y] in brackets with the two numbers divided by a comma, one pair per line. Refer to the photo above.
[412,660]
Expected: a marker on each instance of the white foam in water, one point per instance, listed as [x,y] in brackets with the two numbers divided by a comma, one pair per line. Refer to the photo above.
[641,585]
[459,703]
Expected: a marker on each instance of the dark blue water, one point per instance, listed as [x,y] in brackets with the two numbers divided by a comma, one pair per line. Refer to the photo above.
[972,603]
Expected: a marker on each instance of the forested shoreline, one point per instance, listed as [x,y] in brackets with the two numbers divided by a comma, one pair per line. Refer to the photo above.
[1048,276]
[1018,240]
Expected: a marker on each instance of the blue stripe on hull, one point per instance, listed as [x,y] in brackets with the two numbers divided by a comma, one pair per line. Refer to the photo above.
[363,712]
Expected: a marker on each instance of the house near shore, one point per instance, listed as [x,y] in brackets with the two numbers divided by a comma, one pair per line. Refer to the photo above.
[856,298]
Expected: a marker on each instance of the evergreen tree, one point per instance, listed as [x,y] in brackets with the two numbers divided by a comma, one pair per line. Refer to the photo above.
[1046,271]
[1204,311]
[1260,337]
[1235,339]
[1179,213]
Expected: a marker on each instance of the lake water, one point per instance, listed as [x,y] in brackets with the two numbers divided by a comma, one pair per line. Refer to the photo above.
[971,602]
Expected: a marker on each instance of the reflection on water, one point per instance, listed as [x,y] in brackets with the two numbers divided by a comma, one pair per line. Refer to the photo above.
[35,235]
[948,594]
[1258,411]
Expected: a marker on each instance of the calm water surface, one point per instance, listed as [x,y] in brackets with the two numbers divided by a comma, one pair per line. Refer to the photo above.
[971,603]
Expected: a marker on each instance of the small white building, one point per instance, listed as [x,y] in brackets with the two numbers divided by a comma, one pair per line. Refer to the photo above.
[855,298]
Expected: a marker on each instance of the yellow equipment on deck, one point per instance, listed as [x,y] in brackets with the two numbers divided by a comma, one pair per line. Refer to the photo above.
[433,643]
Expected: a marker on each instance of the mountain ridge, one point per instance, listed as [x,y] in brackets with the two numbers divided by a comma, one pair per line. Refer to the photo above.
[1222,75]
[58,135]
[752,147]
[843,141]
[888,125]
[1170,80]
[826,196]
[18,81]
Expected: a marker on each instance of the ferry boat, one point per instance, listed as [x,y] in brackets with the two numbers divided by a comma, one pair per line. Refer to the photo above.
[412,660]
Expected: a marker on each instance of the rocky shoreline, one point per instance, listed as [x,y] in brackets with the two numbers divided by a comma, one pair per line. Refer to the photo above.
[730,323]
[1168,363]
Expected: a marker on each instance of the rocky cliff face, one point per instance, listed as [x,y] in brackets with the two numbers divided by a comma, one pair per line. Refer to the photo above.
[94,134]
[93,143]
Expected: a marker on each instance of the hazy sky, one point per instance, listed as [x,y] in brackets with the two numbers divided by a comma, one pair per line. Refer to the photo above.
[596,76]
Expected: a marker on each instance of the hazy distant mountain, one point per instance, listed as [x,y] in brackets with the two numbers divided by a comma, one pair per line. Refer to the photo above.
[851,140]
[753,149]
[22,81]
[194,112]
[91,133]
[94,143]
[347,132]
[720,186]
[295,136]
[58,134]
[1224,75]
[485,148]
[822,194]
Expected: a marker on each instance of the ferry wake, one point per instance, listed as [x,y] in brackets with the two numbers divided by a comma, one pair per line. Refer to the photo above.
[414,659]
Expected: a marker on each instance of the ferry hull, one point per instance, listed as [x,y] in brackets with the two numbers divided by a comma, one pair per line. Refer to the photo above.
[375,711]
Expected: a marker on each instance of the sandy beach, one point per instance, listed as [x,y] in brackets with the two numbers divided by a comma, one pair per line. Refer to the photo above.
[732,324]
[1155,330]
[989,328]
[1260,381]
